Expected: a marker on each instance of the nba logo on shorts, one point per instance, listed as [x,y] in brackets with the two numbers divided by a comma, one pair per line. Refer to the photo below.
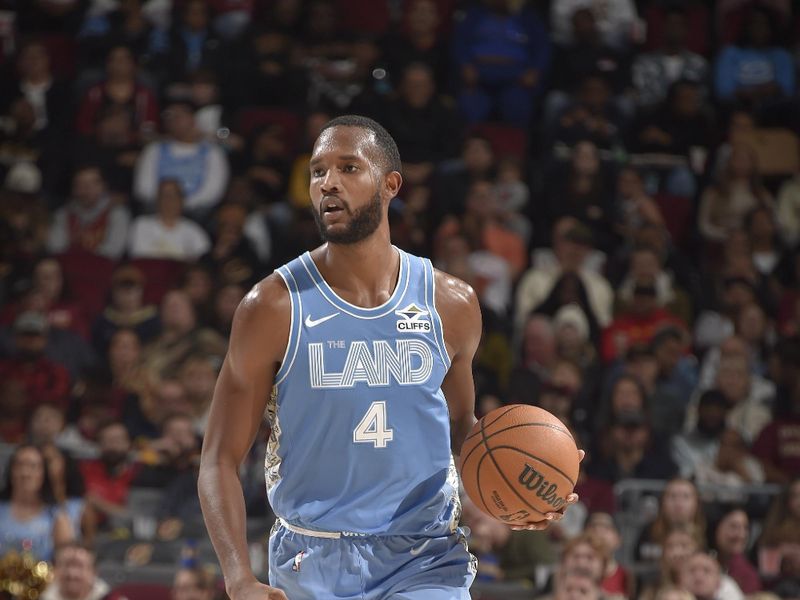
[298,558]
[412,318]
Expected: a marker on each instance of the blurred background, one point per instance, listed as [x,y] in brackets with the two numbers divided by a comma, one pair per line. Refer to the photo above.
[619,181]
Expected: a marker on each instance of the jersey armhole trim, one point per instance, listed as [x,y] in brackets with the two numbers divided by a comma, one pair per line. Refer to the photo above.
[294,325]
[430,300]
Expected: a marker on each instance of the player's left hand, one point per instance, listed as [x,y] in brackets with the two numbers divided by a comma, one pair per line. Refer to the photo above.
[551,517]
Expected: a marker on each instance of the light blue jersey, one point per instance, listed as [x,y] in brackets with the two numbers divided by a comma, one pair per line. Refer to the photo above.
[360,428]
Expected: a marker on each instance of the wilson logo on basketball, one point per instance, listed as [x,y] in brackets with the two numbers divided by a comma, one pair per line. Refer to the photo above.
[535,482]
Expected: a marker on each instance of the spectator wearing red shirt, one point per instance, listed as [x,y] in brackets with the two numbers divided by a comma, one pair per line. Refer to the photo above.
[43,379]
[108,478]
[119,88]
[638,324]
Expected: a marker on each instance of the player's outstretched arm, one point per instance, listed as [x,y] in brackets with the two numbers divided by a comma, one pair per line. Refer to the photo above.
[258,340]
[460,311]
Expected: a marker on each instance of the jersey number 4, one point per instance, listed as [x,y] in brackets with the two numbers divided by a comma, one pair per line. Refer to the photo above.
[372,427]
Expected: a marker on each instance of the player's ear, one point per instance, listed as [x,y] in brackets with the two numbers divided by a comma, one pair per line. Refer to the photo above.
[391,183]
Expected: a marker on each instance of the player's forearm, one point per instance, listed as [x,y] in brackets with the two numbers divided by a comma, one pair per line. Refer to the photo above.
[222,501]
[459,430]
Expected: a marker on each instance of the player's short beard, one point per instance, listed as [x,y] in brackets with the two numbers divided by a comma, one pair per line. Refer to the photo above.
[363,222]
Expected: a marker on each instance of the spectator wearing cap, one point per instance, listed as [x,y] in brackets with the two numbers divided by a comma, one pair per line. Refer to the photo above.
[183,155]
[90,222]
[43,379]
[167,234]
[572,248]
[126,308]
[573,339]
[74,575]
[638,324]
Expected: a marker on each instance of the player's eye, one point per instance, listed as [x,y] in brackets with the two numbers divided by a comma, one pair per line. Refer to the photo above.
[317,172]
[350,169]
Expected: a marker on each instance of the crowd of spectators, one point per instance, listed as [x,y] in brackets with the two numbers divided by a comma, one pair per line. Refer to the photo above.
[619,181]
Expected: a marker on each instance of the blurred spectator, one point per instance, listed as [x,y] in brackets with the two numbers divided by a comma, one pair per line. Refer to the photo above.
[167,234]
[702,576]
[729,470]
[29,514]
[113,146]
[124,363]
[502,56]
[74,575]
[226,301]
[197,282]
[588,555]
[630,448]
[198,375]
[788,211]
[124,22]
[777,443]
[616,20]
[781,529]
[731,538]
[585,55]
[581,189]
[43,379]
[35,82]
[634,205]
[454,177]
[49,286]
[672,592]
[418,40]
[617,579]
[189,45]
[571,250]
[126,308]
[164,397]
[591,115]
[677,371]
[701,444]
[755,70]
[47,428]
[193,584]
[200,166]
[537,359]
[108,478]
[654,73]
[715,325]
[762,232]
[425,128]
[679,544]
[181,335]
[570,585]
[90,221]
[679,507]
[120,88]
[638,323]
[265,163]
[232,256]
[724,205]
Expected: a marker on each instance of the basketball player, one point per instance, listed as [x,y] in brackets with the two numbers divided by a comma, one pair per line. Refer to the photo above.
[361,357]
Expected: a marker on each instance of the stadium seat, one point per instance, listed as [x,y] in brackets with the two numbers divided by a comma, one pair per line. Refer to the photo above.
[254,117]
[88,277]
[142,591]
[506,140]
[160,275]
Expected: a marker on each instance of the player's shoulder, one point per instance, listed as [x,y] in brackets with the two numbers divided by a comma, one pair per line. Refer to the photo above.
[267,299]
[454,295]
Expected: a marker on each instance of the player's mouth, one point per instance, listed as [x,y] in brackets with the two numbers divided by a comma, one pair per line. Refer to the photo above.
[332,208]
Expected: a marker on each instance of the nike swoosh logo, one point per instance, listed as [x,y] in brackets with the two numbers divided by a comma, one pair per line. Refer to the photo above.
[314,322]
[418,549]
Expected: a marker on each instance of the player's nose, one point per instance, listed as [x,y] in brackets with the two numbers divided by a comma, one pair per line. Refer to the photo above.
[331,182]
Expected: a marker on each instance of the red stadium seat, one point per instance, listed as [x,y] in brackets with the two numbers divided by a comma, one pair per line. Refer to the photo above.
[506,140]
[160,276]
[142,591]
[255,117]
[89,279]
[677,212]
[364,16]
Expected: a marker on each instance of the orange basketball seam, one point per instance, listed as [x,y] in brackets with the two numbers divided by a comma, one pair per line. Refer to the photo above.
[471,435]
[550,425]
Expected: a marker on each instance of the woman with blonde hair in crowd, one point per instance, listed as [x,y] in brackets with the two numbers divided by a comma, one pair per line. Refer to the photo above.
[672,592]
[679,544]
[679,506]
[781,529]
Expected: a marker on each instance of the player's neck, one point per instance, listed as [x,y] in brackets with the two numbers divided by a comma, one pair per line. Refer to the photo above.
[364,273]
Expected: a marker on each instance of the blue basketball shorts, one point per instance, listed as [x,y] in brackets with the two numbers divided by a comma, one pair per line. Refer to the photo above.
[310,567]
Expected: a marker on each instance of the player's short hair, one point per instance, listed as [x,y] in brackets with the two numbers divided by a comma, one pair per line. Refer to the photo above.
[390,155]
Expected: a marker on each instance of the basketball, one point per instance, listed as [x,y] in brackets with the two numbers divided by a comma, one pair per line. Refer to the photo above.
[518,463]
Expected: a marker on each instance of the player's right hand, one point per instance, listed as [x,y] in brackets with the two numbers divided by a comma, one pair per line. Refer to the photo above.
[256,590]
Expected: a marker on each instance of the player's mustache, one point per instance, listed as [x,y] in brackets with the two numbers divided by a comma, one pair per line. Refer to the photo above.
[343,204]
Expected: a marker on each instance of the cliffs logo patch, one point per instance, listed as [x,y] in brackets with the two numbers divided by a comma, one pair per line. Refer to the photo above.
[413,318]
